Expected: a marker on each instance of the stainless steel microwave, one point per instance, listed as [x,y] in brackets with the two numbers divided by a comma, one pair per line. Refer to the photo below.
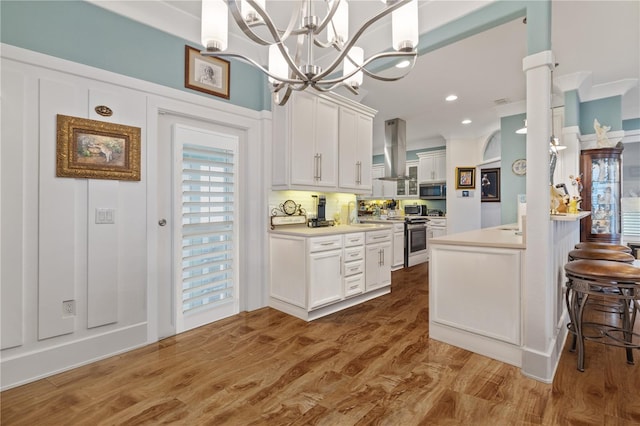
[433,191]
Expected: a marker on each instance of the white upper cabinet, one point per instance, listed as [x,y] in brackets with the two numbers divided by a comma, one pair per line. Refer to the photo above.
[314,137]
[356,137]
[432,166]
[322,142]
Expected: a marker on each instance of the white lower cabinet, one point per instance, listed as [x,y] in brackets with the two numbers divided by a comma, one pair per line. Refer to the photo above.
[311,277]
[398,246]
[378,257]
[354,264]
[325,278]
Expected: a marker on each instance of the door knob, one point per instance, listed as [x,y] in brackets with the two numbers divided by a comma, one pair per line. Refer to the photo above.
[162,222]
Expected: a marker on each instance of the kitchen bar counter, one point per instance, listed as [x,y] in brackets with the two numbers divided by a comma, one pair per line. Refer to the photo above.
[505,236]
[304,231]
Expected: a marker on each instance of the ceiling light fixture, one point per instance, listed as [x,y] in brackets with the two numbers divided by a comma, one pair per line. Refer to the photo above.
[451,98]
[288,72]
[523,130]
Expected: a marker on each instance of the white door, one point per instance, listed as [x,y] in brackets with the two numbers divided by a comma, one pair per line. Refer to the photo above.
[197,202]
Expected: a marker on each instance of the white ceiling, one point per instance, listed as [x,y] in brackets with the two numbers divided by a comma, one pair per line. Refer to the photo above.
[600,39]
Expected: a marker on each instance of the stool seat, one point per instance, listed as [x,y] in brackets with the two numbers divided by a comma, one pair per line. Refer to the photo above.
[603,246]
[615,288]
[603,269]
[611,255]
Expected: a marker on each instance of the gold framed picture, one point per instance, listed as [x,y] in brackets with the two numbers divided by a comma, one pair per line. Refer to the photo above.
[96,150]
[465,177]
[206,74]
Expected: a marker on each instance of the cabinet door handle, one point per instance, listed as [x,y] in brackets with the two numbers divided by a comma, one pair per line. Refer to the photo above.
[315,167]
[319,166]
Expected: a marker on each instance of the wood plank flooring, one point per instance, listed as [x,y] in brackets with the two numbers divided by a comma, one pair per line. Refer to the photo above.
[372,364]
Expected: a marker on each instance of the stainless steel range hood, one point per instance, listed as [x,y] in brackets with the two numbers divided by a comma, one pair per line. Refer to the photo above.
[395,149]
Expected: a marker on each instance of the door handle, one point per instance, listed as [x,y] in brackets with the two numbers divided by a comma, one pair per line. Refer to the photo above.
[162,222]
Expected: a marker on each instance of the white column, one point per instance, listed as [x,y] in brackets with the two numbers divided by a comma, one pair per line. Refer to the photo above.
[539,355]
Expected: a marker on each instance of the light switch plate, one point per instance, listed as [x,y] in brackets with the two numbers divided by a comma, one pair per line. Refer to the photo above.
[105,216]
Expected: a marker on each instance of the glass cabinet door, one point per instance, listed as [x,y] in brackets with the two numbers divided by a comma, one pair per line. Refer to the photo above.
[602,184]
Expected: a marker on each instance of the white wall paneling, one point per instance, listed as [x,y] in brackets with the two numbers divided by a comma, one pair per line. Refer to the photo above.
[11,219]
[58,226]
[102,254]
[52,250]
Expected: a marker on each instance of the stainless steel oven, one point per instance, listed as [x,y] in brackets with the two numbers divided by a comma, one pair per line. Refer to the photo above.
[415,238]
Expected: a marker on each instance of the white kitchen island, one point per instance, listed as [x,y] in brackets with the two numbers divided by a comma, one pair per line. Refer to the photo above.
[476,290]
[475,287]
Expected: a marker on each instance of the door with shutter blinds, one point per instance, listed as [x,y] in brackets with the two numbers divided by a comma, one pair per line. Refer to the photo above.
[202,248]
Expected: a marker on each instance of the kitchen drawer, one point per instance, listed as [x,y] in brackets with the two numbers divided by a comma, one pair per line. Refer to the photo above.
[352,268]
[353,253]
[398,227]
[332,242]
[437,222]
[354,239]
[353,285]
[378,236]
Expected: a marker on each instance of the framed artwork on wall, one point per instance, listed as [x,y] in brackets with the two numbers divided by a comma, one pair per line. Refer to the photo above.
[490,185]
[206,74]
[465,177]
[96,150]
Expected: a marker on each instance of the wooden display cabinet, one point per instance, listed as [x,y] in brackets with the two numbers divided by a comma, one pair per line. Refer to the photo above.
[602,173]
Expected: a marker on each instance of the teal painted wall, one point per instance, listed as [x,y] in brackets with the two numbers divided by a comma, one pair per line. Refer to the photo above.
[87,34]
[514,146]
[608,111]
[571,108]
[632,124]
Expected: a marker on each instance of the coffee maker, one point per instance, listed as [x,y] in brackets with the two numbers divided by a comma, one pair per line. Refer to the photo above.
[321,212]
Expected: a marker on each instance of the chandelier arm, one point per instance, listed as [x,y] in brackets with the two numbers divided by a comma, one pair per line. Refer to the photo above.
[335,81]
[246,29]
[337,61]
[250,61]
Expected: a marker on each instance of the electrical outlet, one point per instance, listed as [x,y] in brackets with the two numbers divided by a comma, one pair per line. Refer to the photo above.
[68,308]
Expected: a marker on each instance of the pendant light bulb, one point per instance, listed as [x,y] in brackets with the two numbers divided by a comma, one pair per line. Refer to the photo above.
[356,54]
[338,28]
[215,25]
[404,27]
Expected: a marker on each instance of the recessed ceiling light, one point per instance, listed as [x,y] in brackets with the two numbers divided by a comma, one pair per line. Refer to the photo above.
[451,98]
[466,121]
[403,64]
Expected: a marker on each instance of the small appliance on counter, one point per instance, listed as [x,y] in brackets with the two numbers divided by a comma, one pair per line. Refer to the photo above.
[321,213]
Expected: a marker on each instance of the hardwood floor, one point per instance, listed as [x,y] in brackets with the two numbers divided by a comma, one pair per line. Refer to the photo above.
[372,364]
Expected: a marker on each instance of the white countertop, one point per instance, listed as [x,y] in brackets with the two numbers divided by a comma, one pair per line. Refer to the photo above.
[304,231]
[504,236]
[570,216]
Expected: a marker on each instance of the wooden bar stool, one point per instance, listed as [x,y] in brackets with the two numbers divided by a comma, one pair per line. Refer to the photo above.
[603,246]
[615,283]
[597,254]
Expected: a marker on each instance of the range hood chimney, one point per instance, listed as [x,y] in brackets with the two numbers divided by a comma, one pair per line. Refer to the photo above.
[395,149]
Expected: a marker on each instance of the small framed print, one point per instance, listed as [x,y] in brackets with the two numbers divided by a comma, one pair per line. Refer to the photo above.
[96,149]
[206,74]
[490,185]
[465,177]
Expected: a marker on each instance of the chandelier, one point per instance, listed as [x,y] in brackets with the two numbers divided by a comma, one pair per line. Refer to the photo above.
[287,72]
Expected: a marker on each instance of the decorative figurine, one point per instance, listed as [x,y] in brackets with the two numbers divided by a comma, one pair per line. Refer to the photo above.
[602,139]
[574,204]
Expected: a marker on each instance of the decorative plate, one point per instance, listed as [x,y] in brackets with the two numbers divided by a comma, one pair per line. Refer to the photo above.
[289,207]
[519,167]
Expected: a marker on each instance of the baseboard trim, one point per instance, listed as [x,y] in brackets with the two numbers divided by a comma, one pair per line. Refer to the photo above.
[31,366]
[492,348]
